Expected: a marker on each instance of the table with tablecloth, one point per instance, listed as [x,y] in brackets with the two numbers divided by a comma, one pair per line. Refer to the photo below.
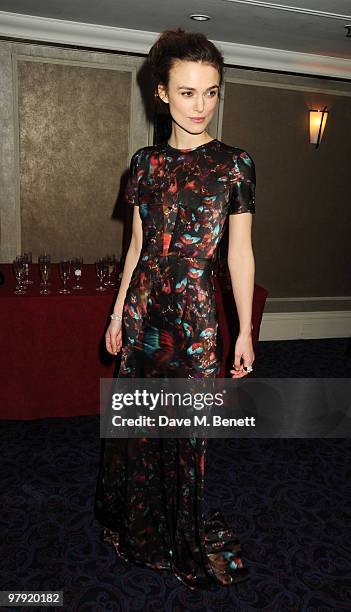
[53,347]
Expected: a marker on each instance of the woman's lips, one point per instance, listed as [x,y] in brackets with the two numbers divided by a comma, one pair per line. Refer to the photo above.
[197,119]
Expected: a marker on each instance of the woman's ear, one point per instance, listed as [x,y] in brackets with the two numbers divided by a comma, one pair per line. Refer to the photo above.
[162,93]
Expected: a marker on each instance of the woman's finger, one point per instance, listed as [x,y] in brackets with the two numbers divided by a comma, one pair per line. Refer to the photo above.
[110,344]
[237,365]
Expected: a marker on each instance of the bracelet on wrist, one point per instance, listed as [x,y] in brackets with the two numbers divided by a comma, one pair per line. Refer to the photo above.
[116,317]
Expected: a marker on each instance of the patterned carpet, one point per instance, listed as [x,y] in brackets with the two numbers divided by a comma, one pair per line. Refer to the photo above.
[288,499]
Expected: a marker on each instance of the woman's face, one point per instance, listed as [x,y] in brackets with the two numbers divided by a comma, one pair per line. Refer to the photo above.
[192,94]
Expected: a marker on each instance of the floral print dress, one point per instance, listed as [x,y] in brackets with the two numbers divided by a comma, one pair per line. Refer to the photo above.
[150,491]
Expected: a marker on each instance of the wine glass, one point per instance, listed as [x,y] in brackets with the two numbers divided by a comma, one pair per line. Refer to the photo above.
[28,262]
[111,270]
[65,272]
[77,263]
[101,271]
[44,270]
[44,256]
[19,268]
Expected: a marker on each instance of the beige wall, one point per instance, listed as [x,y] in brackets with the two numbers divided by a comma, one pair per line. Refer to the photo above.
[302,224]
[73,142]
[71,119]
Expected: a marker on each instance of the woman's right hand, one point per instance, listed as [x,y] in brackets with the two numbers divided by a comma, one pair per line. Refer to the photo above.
[113,337]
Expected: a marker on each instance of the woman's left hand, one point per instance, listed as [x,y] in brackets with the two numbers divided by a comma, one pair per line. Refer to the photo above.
[243,350]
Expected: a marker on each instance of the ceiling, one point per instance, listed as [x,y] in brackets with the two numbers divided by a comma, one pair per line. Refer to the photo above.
[253,32]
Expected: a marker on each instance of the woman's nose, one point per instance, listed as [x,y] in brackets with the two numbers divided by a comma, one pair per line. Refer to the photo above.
[199,104]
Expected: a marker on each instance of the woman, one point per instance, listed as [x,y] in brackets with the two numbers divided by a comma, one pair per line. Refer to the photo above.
[150,491]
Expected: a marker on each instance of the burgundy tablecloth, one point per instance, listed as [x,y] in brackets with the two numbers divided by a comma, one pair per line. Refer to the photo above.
[52,349]
[52,346]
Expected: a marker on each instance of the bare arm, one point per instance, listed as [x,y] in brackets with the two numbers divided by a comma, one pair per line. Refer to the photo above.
[241,264]
[130,261]
[113,334]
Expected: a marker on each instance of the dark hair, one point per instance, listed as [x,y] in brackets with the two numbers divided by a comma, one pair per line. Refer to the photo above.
[176,44]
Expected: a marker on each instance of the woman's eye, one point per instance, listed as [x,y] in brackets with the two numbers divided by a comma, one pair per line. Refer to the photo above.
[211,93]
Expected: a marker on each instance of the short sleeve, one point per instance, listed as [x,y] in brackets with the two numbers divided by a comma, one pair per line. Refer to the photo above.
[131,194]
[242,192]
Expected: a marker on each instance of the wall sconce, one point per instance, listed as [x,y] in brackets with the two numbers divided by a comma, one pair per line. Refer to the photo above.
[318,120]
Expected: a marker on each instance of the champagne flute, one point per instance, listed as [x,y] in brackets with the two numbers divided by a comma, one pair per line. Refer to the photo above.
[64,271]
[101,270]
[77,263]
[111,270]
[44,256]
[28,262]
[44,270]
[19,269]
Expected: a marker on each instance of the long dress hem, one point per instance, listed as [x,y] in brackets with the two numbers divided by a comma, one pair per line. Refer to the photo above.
[223,550]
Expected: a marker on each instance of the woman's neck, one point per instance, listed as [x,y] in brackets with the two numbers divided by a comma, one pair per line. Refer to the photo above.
[188,141]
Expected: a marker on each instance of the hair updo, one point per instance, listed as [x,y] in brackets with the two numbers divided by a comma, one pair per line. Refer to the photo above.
[176,44]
